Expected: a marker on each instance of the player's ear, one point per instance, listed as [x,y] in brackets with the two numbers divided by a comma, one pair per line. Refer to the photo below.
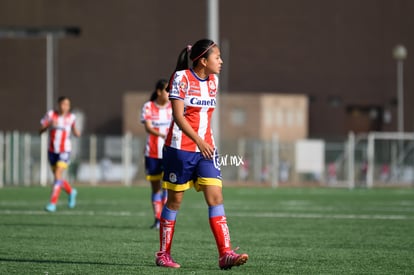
[203,61]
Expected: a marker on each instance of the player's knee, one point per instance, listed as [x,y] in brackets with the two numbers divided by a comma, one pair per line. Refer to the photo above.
[214,201]
[174,201]
[173,205]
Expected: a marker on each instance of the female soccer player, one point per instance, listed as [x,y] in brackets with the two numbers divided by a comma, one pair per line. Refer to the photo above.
[156,116]
[60,123]
[189,150]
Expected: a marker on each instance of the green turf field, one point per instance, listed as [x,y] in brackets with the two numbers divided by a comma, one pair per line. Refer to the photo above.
[285,231]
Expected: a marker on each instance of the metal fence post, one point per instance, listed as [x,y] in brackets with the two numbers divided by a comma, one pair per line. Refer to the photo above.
[241,151]
[126,158]
[257,160]
[92,158]
[370,160]
[43,159]
[1,159]
[275,161]
[15,157]
[351,160]
[7,165]
[27,160]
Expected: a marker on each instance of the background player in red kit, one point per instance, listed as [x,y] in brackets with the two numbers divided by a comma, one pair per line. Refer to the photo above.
[156,116]
[189,150]
[60,123]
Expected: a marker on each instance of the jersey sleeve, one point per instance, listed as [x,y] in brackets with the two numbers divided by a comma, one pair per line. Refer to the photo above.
[146,112]
[180,86]
[46,119]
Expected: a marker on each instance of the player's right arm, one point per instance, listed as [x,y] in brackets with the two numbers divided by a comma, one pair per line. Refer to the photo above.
[43,129]
[45,123]
[150,130]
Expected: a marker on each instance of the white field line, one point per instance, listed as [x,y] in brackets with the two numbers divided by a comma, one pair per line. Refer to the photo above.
[75,213]
[325,216]
[239,214]
[36,203]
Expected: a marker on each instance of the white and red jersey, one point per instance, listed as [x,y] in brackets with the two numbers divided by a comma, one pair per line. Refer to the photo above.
[199,96]
[160,117]
[60,127]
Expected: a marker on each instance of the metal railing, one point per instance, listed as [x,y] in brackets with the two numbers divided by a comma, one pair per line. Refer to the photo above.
[362,160]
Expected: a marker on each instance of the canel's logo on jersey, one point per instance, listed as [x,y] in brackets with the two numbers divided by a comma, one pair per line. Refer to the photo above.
[203,102]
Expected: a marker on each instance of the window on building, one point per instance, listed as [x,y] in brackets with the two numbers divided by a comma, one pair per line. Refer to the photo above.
[279,118]
[238,117]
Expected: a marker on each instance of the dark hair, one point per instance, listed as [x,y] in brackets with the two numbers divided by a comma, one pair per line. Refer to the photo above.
[158,86]
[201,49]
[61,98]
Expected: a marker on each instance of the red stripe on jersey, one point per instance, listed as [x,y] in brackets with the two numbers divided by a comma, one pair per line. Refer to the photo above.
[193,118]
[51,139]
[209,134]
[62,142]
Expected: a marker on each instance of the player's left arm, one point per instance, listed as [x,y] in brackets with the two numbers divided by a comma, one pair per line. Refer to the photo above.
[75,131]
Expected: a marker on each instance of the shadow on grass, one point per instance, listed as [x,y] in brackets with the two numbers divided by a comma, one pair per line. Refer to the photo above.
[77,226]
[157,268]
[61,262]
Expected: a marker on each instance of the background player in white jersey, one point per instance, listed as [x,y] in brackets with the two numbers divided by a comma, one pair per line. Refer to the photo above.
[156,116]
[189,150]
[60,123]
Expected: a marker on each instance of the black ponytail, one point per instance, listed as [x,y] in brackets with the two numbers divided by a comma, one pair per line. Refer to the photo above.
[182,64]
[158,86]
[182,61]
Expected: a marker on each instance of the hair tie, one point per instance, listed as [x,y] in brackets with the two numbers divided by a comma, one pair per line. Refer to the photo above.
[206,50]
[189,48]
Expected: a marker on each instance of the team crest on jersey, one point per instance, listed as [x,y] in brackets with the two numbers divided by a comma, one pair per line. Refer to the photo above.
[212,87]
[182,85]
[172,177]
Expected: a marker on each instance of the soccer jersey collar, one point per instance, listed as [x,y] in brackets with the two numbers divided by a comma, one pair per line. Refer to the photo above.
[198,78]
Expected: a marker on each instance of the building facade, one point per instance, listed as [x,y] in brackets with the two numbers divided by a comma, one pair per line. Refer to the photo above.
[241,115]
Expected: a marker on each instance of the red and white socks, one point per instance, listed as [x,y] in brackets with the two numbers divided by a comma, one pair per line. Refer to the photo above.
[167,225]
[218,225]
[156,205]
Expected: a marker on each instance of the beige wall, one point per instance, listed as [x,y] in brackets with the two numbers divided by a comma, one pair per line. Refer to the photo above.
[284,115]
[239,115]
[132,105]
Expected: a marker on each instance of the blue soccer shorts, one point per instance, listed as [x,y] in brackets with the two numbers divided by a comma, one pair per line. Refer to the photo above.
[184,169]
[59,159]
[153,169]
